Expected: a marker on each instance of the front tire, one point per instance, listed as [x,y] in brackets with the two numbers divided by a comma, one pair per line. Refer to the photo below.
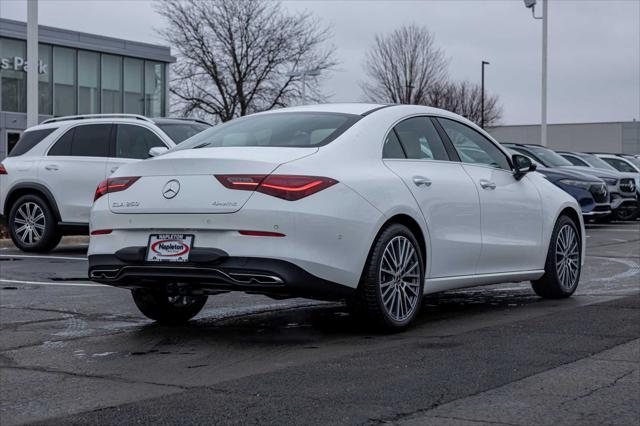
[563,264]
[166,309]
[391,288]
[32,225]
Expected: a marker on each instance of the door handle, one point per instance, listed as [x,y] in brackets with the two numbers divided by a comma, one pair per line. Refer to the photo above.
[487,184]
[51,167]
[421,181]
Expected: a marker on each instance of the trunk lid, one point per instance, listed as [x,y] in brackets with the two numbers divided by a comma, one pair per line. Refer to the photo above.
[185,182]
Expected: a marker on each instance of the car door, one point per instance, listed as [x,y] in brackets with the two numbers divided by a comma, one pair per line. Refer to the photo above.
[444,191]
[511,209]
[73,168]
[131,142]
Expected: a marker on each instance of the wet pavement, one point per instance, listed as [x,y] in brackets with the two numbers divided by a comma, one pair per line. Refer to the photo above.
[75,352]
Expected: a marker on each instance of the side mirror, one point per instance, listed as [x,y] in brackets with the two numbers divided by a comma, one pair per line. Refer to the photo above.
[522,165]
[157,150]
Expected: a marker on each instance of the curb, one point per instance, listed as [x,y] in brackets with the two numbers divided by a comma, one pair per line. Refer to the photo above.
[6,243]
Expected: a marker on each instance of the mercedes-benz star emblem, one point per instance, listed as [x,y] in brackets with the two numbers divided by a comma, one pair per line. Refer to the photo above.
[171,189]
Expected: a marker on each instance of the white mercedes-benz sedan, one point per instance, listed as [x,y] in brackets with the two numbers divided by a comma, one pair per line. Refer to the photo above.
[373,204]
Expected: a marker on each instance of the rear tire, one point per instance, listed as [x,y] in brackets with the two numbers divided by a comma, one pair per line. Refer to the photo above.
[166,309]
[32,225]
[391,288]
[563,264]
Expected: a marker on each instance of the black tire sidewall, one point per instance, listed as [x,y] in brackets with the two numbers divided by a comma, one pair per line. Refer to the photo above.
[155,305]
[50,237]
[549,285]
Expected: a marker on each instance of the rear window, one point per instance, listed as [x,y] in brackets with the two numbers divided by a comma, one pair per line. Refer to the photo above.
[295,129]
[90,140]
[28,140]
[182,131]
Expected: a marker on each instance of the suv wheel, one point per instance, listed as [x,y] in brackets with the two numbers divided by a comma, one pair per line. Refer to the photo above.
[167,309]
[392,284]
[32,224]
[564,263]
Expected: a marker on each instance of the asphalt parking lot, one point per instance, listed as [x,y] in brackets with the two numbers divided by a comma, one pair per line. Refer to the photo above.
[74,352]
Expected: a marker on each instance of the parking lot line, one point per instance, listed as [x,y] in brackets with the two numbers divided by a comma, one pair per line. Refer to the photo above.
[2,280]
[36,256]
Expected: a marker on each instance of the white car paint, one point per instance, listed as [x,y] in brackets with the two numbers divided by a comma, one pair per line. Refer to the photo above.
[473,235]
[70,180]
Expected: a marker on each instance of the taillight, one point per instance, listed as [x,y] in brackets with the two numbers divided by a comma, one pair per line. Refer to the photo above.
[101,232]
[3,170]
[287,187]
[114,185]
[242,182]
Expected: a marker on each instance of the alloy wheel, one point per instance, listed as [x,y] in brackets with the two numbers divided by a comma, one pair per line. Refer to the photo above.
[567,257]
[399,278]
[29,222]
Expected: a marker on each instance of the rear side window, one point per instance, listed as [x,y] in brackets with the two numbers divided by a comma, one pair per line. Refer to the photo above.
[28,140]
[293,129]
[63,145]
[392,147]
[420,139]
[91,140]
[135,141]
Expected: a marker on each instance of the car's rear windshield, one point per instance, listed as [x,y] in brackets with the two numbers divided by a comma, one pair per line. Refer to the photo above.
[28,140]
[179,132]
[283,129]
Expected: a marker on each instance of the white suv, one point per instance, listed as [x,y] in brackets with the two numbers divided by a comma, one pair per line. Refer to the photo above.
[48,181]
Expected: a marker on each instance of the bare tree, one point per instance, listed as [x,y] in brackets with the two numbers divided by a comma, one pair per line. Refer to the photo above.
[465,98]
[403,66]
[235,56]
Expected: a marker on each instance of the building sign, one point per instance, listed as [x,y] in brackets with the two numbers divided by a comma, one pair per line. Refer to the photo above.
[18,63]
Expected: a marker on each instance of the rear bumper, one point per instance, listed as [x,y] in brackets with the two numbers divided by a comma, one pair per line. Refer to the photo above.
[210,272]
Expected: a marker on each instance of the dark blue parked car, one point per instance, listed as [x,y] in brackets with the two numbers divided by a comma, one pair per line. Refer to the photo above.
[590,191]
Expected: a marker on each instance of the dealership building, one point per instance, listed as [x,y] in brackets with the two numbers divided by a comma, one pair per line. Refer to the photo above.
[78,73]
[621,137]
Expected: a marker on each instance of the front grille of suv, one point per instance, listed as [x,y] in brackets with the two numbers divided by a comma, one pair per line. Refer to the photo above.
[599,192]
[627,185]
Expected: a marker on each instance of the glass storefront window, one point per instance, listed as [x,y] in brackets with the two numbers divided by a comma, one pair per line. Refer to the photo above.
[133,83]
[74,81]
[154,89]
[12,75]
[111,84]
[88,73]
[64,81]
[44,79]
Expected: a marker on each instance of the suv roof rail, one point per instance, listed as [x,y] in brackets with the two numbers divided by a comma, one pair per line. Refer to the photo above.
[89,116]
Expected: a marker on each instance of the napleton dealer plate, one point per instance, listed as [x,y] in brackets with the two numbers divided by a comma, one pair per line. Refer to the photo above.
[169,247]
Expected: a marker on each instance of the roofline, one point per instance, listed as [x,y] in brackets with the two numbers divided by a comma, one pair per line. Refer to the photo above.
[564,124]
[80,40]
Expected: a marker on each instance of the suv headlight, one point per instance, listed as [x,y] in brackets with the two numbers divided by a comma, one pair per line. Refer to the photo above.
[610,181]
[579,183]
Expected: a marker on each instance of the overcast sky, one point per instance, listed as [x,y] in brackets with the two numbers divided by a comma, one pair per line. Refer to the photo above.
[594,46]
